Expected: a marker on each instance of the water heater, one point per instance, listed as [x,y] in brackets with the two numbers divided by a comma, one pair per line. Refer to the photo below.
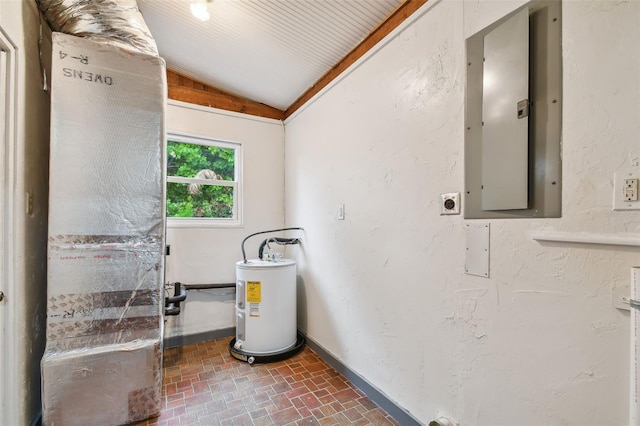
[266,305]
[266,328]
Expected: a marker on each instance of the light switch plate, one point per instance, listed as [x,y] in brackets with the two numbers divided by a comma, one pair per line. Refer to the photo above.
[450,203]
[625,189]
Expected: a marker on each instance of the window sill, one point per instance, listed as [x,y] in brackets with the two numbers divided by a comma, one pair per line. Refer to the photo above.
[203,223]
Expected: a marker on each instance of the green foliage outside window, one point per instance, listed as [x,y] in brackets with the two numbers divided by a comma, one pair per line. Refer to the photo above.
[201,162]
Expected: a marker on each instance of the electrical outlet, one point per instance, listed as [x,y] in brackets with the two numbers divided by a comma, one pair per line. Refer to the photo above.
[29,204]
[450,203]
[625,190]
[630,189]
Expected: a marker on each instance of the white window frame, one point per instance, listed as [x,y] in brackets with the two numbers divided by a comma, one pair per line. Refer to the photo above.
[236,183]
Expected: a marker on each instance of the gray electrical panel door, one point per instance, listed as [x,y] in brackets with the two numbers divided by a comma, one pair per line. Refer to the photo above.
[505,106]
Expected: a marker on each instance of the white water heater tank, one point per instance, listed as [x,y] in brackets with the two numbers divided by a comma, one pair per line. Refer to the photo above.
[266,305]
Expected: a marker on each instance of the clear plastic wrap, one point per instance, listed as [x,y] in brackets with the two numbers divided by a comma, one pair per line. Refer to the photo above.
[103,291]
[105,385]
[116,22]
[107,129]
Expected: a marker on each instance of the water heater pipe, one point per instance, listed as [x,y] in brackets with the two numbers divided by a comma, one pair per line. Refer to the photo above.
[208,286]
[244,256]
[277,240]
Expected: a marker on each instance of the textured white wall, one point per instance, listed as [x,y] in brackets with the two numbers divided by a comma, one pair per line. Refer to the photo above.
[384,290]
[208,255]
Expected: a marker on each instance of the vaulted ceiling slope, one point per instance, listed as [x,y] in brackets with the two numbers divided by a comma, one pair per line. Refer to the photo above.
[274,53]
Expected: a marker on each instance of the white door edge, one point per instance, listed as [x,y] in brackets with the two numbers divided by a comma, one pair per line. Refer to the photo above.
[8,363]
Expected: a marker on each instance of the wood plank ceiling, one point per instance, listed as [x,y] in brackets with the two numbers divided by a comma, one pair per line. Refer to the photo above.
[294,71]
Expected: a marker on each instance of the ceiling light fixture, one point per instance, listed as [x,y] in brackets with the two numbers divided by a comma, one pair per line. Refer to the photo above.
[200,10]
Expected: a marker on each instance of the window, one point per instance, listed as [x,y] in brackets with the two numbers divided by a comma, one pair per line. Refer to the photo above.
[203,185]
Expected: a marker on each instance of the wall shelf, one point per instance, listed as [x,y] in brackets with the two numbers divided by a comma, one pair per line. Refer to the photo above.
[626,239]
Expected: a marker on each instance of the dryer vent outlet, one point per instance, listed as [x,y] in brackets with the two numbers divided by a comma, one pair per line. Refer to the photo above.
[443,421]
